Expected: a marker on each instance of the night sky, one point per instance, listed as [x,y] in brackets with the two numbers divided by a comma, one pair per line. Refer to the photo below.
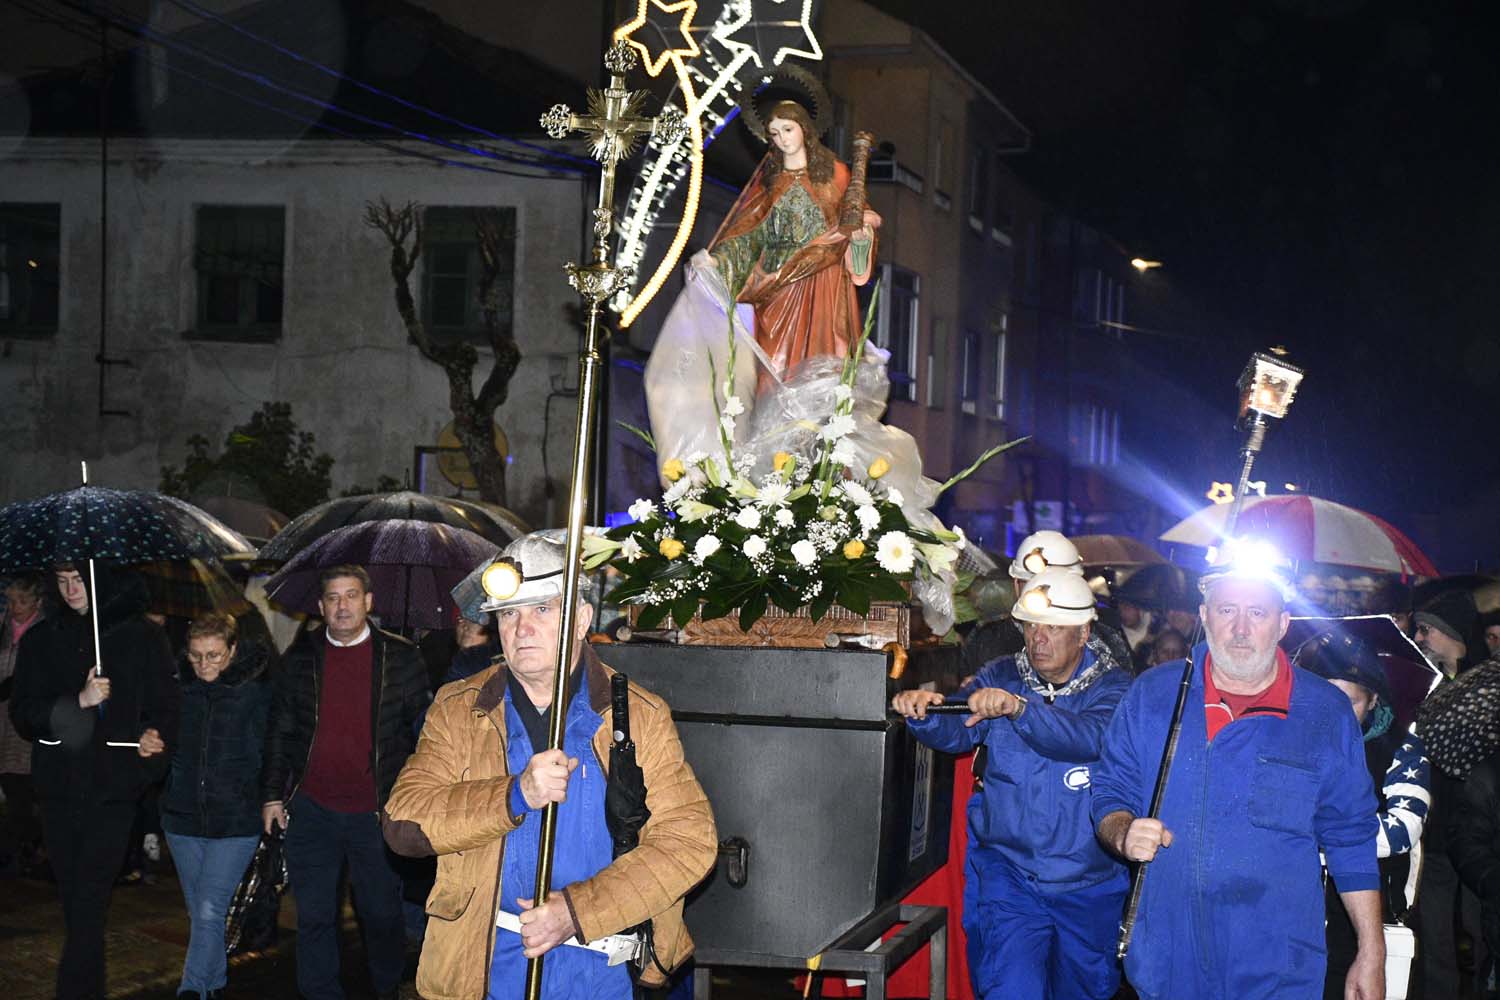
[1315,173]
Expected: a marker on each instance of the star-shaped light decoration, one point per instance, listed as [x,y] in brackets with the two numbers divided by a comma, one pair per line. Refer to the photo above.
[1221,493]
[743,33]
[655,64]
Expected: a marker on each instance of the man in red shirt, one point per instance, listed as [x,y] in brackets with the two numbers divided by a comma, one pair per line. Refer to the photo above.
[340,730]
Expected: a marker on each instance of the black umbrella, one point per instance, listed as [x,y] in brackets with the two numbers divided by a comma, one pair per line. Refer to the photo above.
[116,526]
[1408,675]
[496,524]
[413,567]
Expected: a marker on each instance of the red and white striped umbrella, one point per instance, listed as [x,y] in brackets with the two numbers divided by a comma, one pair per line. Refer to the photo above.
[1310,529]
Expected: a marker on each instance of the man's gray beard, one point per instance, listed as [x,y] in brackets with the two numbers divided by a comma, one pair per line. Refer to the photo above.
[1239,666]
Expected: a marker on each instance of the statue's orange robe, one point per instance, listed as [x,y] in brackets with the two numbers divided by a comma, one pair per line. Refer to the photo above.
[808,306]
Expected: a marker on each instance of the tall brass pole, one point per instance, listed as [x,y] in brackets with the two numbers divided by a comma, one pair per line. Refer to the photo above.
[615,128]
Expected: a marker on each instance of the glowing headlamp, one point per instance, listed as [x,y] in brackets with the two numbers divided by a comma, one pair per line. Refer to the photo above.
[1034,561]
[1250,559]
[1039,599]
[501,580]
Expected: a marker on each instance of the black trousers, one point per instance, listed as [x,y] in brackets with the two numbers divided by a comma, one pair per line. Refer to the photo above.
[86,844]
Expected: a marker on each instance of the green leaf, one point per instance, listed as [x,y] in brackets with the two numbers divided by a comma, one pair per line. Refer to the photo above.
[989,454]
[855,596]
[628,589]
[716,608]
[783,597]
[820,605]
[651,617]
[644,435]
[886,588]
[683,609]
[751,610]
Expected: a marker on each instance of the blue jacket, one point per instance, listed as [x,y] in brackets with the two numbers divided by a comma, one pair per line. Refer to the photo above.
[1234,908]
[1035,805]
[582,849]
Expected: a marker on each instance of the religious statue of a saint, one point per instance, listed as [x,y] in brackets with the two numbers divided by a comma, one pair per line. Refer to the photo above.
[793,248]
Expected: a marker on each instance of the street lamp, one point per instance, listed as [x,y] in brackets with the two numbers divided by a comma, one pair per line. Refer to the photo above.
[1267,387]
[1142,265]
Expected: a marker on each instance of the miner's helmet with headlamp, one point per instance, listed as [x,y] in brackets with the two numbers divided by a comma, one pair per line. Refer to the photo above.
[1055,597]
[1250,558]
[1044,550]
[529,571]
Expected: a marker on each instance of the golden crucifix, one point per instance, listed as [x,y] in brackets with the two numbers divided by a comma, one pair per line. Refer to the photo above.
[615,127]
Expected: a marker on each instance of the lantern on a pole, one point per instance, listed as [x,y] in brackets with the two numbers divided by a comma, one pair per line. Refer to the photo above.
[1267,387]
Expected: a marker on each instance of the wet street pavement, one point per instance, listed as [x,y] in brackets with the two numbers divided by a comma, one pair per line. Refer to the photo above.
[147,940]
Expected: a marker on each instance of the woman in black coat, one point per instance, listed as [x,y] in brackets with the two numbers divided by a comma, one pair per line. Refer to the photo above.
[97,742]
[210,809]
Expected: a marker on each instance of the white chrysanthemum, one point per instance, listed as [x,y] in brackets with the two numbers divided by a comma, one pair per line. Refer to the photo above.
[857,494]
[895,497]
[705,547]
[838,426]
[843,453]
[631,549]
[754,547]
[677,491]
[842,393]
[804,552]
[785,518]
[733,407]
[748,518]
[641,509]
[773,494]
[894,553]
[868,516]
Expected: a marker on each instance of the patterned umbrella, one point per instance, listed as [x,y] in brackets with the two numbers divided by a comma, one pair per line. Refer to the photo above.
[1310,529]
[494,523]
[413,565]
[117,526]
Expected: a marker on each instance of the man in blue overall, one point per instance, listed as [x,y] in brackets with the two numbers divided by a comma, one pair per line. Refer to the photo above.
[473,794]
[1041,897]
[1269,771]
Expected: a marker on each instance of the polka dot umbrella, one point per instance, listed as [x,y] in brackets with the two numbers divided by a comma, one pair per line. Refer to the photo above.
[125,527]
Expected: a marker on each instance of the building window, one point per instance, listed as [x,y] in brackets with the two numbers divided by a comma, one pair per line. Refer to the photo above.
[1001,352]
[454,276]
[896,327]
[29,244]
[969,383]
[937,366]
[1096,435]
[979,175]
[239,258]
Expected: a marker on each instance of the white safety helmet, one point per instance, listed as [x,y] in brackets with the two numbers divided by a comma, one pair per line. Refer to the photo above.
[1055,597]
[1043,550]
[1250,559]
[529,571]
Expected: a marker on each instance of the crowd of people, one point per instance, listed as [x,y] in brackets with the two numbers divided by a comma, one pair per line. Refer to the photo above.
[1296,806]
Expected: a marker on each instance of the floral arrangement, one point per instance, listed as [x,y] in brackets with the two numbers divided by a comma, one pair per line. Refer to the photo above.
[814,530]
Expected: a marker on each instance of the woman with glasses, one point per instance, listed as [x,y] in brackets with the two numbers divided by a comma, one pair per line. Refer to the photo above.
[210,809]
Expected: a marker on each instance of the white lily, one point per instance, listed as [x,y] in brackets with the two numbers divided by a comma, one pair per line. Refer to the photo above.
[695,510]
[641,509]
[940,558]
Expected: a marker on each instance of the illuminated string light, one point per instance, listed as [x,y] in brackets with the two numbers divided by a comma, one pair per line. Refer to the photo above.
[654,65]
[721,82]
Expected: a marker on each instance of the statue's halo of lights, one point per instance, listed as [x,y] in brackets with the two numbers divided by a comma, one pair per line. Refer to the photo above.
[811,87]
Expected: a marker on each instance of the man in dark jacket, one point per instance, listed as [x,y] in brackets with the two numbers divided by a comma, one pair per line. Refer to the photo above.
[97,742]
[340,729]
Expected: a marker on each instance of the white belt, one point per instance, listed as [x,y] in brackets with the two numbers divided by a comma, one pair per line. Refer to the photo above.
[618,948]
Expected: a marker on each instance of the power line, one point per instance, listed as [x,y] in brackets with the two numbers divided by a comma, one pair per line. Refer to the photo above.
[142,30]
[369,88]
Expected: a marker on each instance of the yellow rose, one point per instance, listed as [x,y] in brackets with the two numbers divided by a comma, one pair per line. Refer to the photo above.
[673,469]
[779,460]
[670,547]
[853,549]
[879,467]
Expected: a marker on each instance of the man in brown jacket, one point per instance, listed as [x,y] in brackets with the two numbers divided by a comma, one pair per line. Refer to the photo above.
[473,792]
